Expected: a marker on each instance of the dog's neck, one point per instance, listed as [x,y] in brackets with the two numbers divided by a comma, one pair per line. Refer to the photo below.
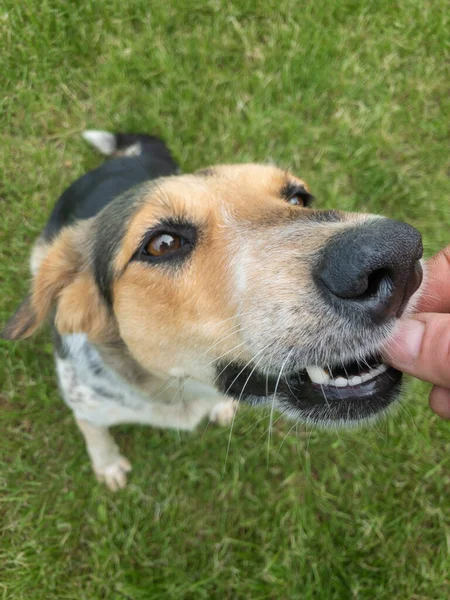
[118,358]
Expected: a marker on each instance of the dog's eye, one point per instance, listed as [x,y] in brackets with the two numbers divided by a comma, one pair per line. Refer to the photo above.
[163,244]
[296,200]
[171,241]
[296,195]
[300,198]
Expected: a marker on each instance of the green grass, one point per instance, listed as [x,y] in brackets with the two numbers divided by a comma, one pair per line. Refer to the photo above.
[355,97]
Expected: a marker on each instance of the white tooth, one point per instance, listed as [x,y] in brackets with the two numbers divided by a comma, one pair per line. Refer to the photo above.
[382,368]
[317,375]
[355,380]
[367,376]
[340,382]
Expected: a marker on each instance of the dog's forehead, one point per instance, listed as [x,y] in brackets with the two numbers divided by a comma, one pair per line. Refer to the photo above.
[204,195]
[248,185]
[206,198]
[252,175]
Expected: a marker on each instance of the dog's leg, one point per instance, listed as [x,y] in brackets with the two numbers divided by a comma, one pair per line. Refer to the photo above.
[90,412]
[109,465]
[218,408]
[223,412]
[111,468]
[99,404]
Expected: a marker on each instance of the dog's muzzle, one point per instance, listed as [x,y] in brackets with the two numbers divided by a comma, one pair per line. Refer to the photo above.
[366,276]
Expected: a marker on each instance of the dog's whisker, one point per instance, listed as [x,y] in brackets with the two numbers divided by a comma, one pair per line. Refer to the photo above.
[237,330]
[243,368]
[269,435]
[284,439]
[255,422]
[226,366]
[222,355]
[238,402]
[173,381]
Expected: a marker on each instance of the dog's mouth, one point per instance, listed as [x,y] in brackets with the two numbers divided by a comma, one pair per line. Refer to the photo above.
[354,380]
[340,395]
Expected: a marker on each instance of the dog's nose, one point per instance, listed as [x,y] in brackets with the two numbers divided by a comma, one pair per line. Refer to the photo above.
[372,268]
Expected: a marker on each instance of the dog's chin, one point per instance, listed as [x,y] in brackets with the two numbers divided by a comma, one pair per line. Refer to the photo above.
[346,396]
[332,406]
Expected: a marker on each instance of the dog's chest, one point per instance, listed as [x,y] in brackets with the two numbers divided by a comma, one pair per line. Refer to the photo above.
[96,393]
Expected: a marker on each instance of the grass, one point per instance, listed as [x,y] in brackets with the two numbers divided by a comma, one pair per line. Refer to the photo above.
[355,97]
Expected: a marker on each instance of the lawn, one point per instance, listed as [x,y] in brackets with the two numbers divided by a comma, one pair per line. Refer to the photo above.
[355,97]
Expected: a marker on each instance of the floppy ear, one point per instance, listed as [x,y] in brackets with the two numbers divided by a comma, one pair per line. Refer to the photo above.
[64,279]
[23,322]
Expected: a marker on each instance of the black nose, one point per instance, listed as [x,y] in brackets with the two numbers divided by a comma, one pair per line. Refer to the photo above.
[373,268]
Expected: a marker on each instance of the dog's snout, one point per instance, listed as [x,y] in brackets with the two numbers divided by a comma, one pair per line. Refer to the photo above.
[373,268]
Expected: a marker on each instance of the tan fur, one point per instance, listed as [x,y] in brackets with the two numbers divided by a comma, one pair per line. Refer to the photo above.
[63,280]
[80,308]
[58,269]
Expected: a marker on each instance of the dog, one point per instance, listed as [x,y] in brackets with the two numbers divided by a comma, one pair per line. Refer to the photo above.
[173,297]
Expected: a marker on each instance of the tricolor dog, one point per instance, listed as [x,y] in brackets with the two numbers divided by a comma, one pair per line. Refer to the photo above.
[173,297]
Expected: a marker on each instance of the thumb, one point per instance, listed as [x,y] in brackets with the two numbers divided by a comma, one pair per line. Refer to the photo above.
[421,347]
[435,296]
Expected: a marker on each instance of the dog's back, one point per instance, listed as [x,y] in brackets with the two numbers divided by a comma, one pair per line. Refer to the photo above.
[134,159]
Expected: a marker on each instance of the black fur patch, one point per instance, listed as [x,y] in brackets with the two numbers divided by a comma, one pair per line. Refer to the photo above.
[111,188]
[111,227]
[58,344]
[87,196]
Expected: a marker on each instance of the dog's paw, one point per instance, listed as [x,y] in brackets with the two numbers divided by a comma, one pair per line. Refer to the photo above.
[223,412]
[114,473]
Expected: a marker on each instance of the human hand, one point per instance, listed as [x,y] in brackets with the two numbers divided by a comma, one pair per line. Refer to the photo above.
[421,345]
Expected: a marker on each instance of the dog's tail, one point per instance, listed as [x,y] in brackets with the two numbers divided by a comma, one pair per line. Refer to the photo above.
[126,144]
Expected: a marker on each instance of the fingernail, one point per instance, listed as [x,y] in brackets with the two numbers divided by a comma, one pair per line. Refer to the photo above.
[405,346]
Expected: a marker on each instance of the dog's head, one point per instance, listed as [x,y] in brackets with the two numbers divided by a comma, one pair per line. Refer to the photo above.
[230,277]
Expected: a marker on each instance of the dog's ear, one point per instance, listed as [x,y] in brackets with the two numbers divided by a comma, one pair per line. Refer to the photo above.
[22,324]
[63,281]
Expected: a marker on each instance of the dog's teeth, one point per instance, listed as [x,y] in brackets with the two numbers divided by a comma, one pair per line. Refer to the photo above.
[322,377]
[317,375]
[367,376]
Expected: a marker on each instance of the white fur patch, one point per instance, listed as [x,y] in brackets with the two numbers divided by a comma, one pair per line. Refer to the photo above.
[104,141]
[38,255]
[98,395]
[133,150]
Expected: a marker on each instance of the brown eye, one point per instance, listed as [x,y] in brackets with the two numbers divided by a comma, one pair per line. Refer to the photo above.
[163,243]
[169,242]
[297,196]
[296,200]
